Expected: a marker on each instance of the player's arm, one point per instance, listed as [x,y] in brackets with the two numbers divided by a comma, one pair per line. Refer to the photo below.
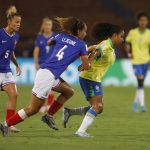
[14,60]
[85,63]
[51,42]
[128,50]
[92,48]
[36,52]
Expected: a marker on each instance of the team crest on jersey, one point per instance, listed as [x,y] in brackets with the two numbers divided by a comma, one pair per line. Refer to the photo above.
[15,42]
[97,88]
[103,46]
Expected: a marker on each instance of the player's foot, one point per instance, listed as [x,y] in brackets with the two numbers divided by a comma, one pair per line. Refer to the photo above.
[135,107]
[14,129]
[4,129]
[83,134]
[143,109]
[49,120]
[66,116]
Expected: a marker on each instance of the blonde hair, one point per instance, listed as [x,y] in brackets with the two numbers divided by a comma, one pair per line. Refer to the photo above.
[44,20]
[11,12]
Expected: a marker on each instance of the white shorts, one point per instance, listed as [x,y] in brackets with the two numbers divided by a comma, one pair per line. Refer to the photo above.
[6,78]
[43,84]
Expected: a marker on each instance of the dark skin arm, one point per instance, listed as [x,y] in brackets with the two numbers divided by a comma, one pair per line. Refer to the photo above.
[128,50]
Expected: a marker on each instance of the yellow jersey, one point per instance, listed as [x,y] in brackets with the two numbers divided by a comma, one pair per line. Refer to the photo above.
[140,45]
[100,65]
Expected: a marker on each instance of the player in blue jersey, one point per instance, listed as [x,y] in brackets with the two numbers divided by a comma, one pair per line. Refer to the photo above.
[42,51]
[68,47]
[8,40]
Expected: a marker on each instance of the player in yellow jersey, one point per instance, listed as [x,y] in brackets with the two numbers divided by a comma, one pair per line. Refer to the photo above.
[137,48]
[108,36]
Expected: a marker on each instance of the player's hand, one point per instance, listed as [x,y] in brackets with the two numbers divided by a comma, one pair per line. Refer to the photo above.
[80,68]
[37,66]
[18,71]
[130,55]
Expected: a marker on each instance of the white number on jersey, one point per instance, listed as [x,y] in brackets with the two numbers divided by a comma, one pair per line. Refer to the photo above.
[60,53]
[47,49]
[7,54]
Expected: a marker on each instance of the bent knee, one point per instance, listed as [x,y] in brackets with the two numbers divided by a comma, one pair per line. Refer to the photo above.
[70,93]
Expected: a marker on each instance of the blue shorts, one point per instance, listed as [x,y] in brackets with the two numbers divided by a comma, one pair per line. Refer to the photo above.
[141,69]
[90,88]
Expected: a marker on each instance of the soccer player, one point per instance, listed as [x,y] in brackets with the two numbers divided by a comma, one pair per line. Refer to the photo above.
[42,51]
[108,36]
[69,46]
[8,40]
[137,48]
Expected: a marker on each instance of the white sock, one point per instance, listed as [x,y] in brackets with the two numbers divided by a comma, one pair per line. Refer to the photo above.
[87,121]
[141,97]
[136,96]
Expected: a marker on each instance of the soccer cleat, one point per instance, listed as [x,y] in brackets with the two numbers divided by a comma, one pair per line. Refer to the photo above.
[49,120]
[4,129]
[66,116]
[135,107]
[83,135]
[14,129]
[143,109]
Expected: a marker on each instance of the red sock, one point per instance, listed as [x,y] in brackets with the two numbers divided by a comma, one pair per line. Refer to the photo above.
[50,98]
[15,119]
[55,106]
[10,113]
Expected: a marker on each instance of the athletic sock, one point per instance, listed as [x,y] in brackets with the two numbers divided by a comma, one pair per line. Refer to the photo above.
[141,97]
[50,98]
[54,108]
[10,113]
[88,120]
[79,111]
[17,118]
[136,97]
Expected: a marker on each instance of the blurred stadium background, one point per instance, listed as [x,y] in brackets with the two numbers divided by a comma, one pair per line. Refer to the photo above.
[121,12]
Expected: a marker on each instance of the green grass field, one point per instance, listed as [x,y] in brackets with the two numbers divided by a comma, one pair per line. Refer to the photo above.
[118,128]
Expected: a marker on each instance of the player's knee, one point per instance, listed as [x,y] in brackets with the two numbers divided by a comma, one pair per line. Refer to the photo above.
[70,93]
[140,83]
[99,108]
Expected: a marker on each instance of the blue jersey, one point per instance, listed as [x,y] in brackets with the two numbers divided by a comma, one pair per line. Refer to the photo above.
[67,49]
[45,50]
[7,46]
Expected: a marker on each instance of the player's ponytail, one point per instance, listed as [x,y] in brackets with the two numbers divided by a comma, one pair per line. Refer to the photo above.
[70,25]
[11,12]
[103,31]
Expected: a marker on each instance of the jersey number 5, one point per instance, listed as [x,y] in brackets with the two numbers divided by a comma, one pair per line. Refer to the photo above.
[7,54]
[60,53]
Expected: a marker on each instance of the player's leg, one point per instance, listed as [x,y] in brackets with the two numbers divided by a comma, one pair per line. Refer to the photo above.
[9,86]
[96,108]
[48,103]
[22,114]
[94,94]
[66,93]
[68,112]
[140,73]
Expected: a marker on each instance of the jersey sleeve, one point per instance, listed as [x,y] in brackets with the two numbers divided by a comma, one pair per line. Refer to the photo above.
[101,48]
[37,42]
[129,37]
[84,50]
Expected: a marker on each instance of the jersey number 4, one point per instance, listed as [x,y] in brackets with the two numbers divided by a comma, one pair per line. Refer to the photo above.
[60,53]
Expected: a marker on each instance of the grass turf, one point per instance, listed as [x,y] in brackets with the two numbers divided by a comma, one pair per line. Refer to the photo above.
[118,128]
